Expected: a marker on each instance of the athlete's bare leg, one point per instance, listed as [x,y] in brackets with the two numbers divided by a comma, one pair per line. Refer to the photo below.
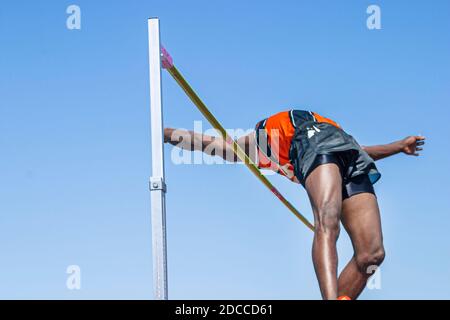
[361,219]
[324,187]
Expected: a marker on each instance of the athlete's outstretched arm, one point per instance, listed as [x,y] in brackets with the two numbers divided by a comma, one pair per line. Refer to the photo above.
[410,146]
[214,146]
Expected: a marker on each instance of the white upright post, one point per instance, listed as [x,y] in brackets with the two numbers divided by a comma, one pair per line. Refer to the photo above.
[157,184]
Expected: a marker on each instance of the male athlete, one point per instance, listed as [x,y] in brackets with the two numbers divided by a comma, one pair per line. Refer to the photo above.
[338,175]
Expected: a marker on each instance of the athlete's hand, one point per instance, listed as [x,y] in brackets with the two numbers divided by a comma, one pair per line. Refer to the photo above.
[412,145]
[168,134]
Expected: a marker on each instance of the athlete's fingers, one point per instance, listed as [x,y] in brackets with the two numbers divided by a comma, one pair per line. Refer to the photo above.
[420,143]
[419,149]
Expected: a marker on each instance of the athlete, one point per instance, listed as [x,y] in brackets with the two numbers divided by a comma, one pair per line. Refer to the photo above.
[338,175]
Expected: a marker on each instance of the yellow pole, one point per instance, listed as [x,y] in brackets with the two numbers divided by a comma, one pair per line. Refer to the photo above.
[173,71]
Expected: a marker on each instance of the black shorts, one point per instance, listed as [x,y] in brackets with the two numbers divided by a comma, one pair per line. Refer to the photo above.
[350,185]
[319,143]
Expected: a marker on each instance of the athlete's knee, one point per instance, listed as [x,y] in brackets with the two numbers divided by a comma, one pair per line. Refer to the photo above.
[366,261]
[327,217]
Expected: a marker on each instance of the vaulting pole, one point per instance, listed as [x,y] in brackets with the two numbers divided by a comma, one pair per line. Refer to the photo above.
[157,183]
[167,63]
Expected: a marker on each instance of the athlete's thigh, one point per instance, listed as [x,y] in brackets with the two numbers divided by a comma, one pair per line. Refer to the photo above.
[361,219]
[324,188]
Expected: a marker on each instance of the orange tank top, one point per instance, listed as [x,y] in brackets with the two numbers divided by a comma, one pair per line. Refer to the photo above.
[274,136]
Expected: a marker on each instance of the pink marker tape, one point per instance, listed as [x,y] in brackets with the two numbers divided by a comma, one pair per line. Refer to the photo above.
[166,59]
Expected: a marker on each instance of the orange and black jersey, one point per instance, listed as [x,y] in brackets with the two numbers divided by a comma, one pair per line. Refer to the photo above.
[274,137]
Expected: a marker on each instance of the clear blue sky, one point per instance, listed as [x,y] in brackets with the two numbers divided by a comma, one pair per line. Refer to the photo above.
[75,154]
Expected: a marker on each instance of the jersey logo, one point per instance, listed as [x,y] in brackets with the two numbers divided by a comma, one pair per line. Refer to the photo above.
[312,131]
